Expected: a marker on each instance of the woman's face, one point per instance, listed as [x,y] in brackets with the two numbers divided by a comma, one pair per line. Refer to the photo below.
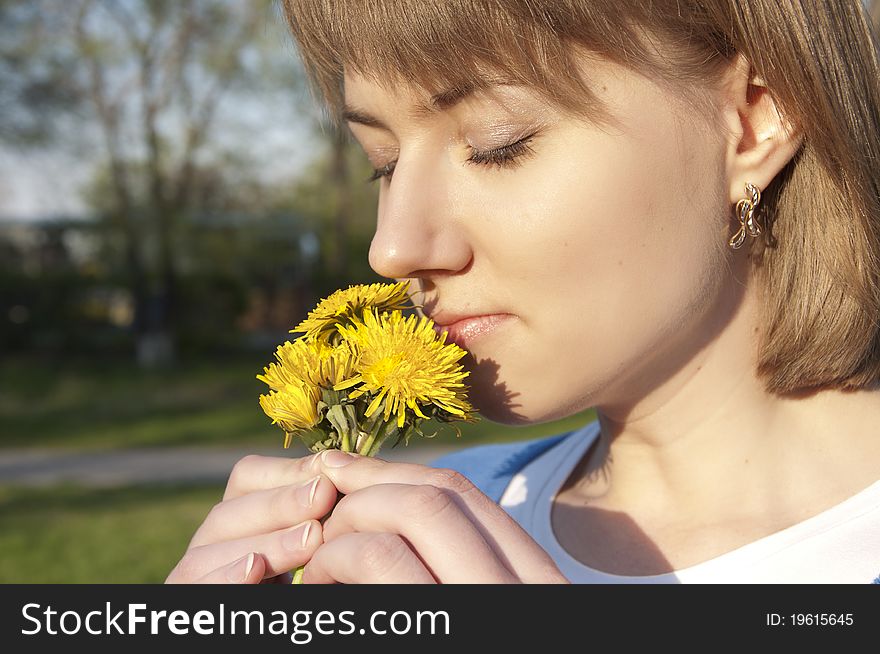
[602,244]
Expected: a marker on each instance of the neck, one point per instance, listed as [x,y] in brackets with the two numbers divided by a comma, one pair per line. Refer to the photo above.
[710,438]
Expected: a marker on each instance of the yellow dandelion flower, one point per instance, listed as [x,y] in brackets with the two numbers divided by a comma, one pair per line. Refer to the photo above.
[345,304]
[296,381]
[406,365]
[337,365]
[293,407]
[312,362]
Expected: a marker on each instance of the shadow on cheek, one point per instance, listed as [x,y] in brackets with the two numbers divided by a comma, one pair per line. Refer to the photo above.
[489,395]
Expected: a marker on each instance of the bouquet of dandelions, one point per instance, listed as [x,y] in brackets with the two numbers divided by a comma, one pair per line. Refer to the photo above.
[362,373]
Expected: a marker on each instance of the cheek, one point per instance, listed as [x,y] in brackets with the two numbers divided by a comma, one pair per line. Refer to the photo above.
[607,261]
[606,223]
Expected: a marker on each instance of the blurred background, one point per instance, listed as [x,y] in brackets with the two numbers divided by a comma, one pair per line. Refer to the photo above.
[172,202]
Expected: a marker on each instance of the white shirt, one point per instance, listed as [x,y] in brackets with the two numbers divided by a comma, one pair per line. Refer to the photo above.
[839,545]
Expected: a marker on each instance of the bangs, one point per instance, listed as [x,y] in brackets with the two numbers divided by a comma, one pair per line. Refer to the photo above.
[456,44]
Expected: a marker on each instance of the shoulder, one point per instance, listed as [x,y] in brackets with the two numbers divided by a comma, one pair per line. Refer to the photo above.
[490,467]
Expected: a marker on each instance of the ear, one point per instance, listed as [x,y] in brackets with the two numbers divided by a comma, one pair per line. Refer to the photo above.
[761,141]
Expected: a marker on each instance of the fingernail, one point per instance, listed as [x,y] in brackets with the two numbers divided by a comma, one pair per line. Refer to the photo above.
[336,458]
[296,538]
[305,494]
[239,571]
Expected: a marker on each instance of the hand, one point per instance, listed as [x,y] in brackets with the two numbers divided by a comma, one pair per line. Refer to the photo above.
[407,523]
[266,525]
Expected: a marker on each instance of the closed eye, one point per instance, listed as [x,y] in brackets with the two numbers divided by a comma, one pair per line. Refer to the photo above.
[506,156]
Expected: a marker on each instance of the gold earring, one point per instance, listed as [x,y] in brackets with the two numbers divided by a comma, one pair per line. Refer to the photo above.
[745,212]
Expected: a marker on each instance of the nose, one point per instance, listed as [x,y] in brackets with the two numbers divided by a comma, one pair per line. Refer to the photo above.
[419,226]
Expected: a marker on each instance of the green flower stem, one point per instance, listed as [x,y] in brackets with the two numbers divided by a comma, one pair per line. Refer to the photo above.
[381,435]
[377,431]
[373,421]
[351,415]
[367,444]
[347,446]
[375,426]
[336,416]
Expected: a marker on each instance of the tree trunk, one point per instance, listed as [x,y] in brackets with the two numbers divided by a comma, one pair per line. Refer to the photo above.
[341,183]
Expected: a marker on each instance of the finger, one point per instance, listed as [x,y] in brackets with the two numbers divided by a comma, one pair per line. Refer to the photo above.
[364,558]
[248,569]
[449,544]
[265,511]
[255,472]
[281,550]
[284,579]
[514,546]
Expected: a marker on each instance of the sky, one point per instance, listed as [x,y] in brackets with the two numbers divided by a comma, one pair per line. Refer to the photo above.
[274,128]
[36,185]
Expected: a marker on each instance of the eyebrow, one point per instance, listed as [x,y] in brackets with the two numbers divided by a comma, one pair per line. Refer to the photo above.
[439,102]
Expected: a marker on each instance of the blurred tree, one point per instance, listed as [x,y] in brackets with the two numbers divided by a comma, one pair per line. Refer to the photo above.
[33,82]
[340,207]
[151,76]
[165,65]
[140,84]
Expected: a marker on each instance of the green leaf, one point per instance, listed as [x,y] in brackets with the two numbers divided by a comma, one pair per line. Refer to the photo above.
[336,416]
[351,414]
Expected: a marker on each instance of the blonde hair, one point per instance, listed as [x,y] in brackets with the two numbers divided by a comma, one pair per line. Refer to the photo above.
[818,267]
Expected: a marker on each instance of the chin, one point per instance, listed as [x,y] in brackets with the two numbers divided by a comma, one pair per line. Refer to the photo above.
[502,400]
[505,416]
[490,395]
[508,409]
[527,403]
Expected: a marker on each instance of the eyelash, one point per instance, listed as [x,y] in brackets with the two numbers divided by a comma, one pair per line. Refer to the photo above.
[505,156]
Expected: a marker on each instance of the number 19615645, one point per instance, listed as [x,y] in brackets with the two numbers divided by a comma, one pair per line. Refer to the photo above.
[809,619]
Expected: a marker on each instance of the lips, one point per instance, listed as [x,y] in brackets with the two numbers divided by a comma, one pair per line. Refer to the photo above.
[464,330]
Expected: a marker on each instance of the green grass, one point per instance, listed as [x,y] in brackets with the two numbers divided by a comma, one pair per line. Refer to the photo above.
[117,405]
[75,535]
[114,405]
